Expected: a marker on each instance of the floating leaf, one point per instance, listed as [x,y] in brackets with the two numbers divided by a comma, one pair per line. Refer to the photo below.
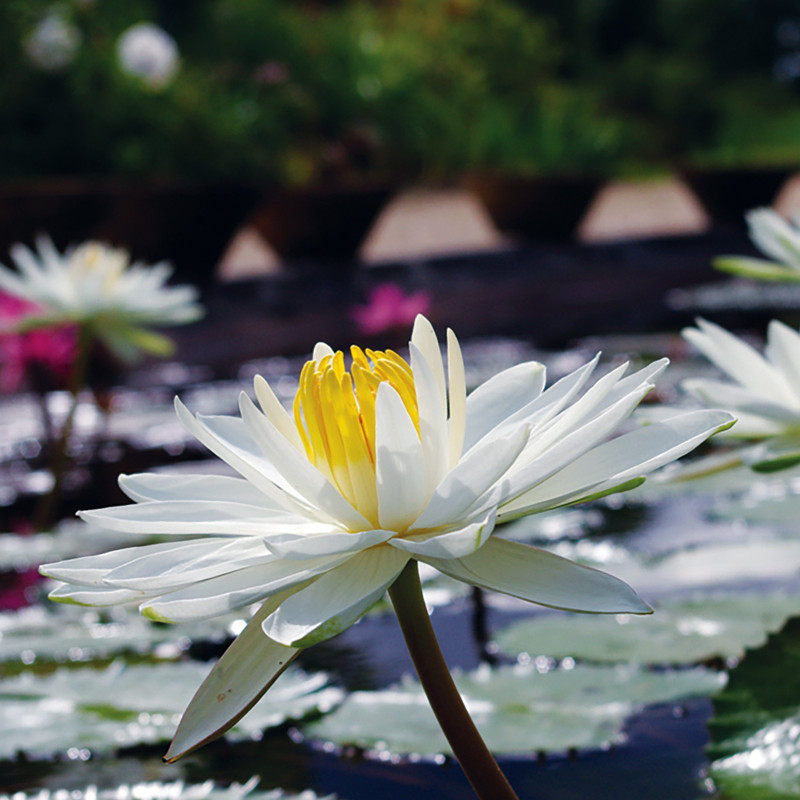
[755,730]
[168,790]
[680,632]
[123,706]
[517,709]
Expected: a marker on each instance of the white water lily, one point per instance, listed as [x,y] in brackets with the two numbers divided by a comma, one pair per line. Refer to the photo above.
[765,392]
[776,237]
[96,285]
[386,462]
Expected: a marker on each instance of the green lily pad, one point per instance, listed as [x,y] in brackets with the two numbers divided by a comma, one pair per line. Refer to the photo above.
[60,632]
[169,790]
[755,730]
[517,709]
[680,632]
[728,563]
[122,706]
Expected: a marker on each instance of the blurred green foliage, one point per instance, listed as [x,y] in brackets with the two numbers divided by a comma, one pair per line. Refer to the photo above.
[295,92]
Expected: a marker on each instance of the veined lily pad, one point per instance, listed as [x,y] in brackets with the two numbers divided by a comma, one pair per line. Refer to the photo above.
[517,709]
[680,632]
[169,790]
[123,706]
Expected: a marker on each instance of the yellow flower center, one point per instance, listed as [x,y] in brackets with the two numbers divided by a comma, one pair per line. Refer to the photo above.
[93,258]
[334,411]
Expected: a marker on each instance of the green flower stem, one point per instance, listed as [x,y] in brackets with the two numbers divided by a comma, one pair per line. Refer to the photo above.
[43,515]
[469,748]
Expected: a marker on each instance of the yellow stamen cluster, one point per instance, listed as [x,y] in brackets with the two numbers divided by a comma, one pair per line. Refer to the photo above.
[93,258]
[334,411]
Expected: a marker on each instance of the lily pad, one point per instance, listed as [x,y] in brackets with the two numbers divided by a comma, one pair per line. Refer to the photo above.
[169,790]
[122,706]
[680,632]
[755,730]
[57,632]
[518,709]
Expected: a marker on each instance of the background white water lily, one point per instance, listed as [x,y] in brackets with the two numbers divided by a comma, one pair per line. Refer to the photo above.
[385,463]
[96,285]
[775,237]
[765,392]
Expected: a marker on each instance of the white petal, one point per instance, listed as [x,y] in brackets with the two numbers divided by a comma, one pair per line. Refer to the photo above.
[203,517]
[423,337]
[90,570]
[457,394]
[326,544]
[614,463]
[166,486]
[737,399]
[500,397]
[453,544]
[216,596]
[241,455]
[276,413]
[474,475]
[432,418]
[774,236]
[783,349]
[541,577]
[297,471]
[742,362]
[99,596]
[570,447]
[321,350]
[335,601]
[180,566]
[245,671]
[399,463]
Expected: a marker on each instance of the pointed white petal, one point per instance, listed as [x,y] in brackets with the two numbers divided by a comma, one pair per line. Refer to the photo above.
[326,544]
[739,400]
[245,671]
[423,337]
[241,455]
[297,471]
[399,463]
[618,461]
[98,596]
[90,570]
[432,418]
[524,476]
[276,413]
[475,474]
[335,601]
[500,397]
[774,236]
[222,594]
[739,360]
[783,349]
[457,394]
[164,486]
[453,544]
[202,517]
[543,578]
[171,569]
[321,350]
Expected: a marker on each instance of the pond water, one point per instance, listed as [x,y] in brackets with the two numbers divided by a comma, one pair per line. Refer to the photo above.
[699,700]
